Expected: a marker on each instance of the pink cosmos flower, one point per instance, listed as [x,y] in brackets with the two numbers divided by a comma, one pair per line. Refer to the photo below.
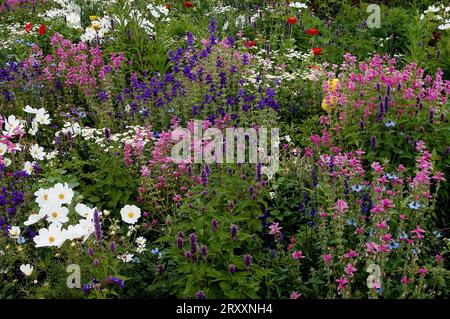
[423,271]
[418,232]
[341,205]
[404,280]
[298,254]
[341,283]
[295,295]
[351,254]
[274,229]
[349,270]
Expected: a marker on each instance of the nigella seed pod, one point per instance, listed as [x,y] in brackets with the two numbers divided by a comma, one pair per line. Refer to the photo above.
[248,260]
[107,133]
[193,242]
[232,269]
[373,142]
[233,232]
[113,246]
[180,243]
[204,251]
[362,125]
[214,225]
[447,152]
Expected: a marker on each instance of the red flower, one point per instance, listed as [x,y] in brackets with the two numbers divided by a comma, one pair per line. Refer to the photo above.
[317,51]
[312,31]
[28,27]
[292,20]
[42,29]
[188,4]
[249,44]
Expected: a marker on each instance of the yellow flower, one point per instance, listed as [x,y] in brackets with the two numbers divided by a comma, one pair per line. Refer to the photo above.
[92,18]
[95,25]
[332,101]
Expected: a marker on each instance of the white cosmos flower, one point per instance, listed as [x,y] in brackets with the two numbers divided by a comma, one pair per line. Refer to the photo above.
[14,232]
[85,211]
[88,228]
[29,109]
[42,117]
[12,124]
[37,152]
[56,214]
[26,269]
[130,214]
[51,237]
[444,26]
[34,128]
[61,194]
[34,218]
[3,149]
[74,232]
[43,196]
[29,167]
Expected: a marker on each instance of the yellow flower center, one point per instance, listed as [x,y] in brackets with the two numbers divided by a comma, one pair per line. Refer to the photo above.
[130,214]
[51,239]
[54,214]
[45,197]
[61,196]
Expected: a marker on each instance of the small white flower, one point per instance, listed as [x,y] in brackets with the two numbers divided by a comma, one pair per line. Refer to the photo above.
[37,152]
[42,117]
[130,214]
[43,196]
[61,194]
[28,167]
[84,211]
[14,232]
[3,149]
[51,237]
[26,269]
[56,213]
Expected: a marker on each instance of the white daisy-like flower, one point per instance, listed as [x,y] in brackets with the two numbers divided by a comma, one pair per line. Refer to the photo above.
[51,237]
[84,211]
[3,149]
[37,152]
[42,117]
[26,269]
[14,232]
[56,214]
[28,167]
[43,196]
[130,214]
[61,194]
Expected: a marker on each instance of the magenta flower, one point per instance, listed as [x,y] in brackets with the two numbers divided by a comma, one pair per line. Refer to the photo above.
[295,295]
[439,176]
[423,271]
[327,258]
[438,258]
[404,280]
[349,270]
[274,229]
[341,205]
[298,254]
[418,232]
[341,283]
[351,254]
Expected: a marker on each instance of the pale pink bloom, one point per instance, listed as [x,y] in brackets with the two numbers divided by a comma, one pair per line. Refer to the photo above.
[298,254]
[341,205]
[274,229]
[350,269]
[295,295]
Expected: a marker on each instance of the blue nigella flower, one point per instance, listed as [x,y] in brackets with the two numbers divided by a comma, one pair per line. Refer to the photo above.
[390,124]
[379,290]
[393,245]
[437,234]
[414,205]
[357,188]
[404,236]
[21,240]
[391,176]
[155,251]
[351,222]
